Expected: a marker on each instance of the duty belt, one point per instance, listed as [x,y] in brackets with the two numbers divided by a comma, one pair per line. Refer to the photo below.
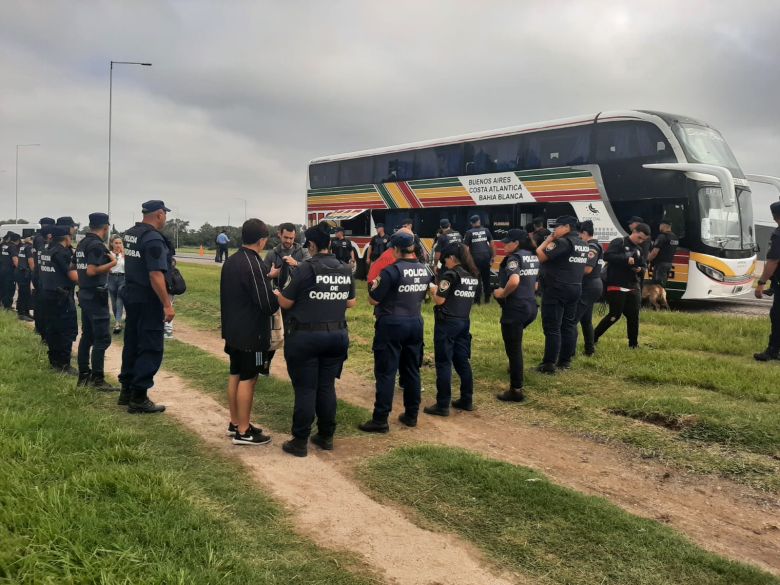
[330,326]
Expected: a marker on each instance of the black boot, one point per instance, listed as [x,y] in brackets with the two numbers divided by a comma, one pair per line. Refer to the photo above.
[295,446]
[140,404]
[124,396]
[462,404]
[546,368]
[511,395]
[98,382]
[322,441]
[770,353]
[437,410]
[84,378]
[374,426]
[407,419]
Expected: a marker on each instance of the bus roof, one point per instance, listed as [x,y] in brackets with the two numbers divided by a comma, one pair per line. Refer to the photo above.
[648,115]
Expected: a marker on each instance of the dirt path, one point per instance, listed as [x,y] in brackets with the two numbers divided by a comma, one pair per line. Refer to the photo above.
[326,505]
[721,516]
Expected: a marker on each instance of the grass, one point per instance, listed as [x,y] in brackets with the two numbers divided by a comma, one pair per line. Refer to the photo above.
[273,403]
[89,494]
[528,525]
[691,395]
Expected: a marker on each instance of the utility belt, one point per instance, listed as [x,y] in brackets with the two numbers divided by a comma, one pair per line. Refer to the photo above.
[329,326]
[93,293]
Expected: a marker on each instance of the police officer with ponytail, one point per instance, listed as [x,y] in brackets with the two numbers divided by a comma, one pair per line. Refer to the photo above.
[316,299]
[454,296]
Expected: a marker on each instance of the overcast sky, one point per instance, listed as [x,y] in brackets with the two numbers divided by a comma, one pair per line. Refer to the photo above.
[242,94]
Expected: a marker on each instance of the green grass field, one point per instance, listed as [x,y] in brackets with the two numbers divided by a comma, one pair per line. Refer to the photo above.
[89,494]
[691,395]
[528,525]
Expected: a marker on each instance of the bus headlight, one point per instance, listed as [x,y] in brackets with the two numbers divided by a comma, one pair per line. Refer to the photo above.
[711,272]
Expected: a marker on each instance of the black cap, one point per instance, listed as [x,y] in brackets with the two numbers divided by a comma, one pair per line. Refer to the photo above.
[587,226]
[318,235]
[13,236]
[66,220]
[153,205]
[407,221]
[58,231]
[775,209]
[474,218]
[46,229]
[569,220]
[46,221]
[98,219]
[635,219]
[402,239]
[665,221]
[338,229]
[444,223]
[515,235]
[379,225]
[452,249]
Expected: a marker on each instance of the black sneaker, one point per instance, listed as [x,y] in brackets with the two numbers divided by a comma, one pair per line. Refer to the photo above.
[770,353]
[297,447]
[373,426]
[84,378]
[99,383]
[145,407]
[590,351]
[511,395]
[323,442]
[65,370]
[124,396]
[436,410]
[407,419]
[546,368]
[563,365]
[252,436]
[231,430]
[461,404]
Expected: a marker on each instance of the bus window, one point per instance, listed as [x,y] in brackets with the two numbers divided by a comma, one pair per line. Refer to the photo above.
[442,161]
[358,171]
[675,212]
[558,148]
[393,167]
[632,140]
[324,175]
[493,156]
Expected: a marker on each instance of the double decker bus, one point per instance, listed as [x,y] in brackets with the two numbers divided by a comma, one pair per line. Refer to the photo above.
[604,168]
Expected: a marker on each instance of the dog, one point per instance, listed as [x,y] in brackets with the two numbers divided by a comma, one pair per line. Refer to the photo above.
[655,295]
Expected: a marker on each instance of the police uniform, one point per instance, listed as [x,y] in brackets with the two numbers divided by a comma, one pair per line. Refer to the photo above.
[59,306]
[400,290]
[624,287]
[773,349]
[23,280]
[662,263]
[9,251]
[562,274]
[40,243]
[342,249]
[592,289]
[452,337]
[519,309]
[479,240]
[316,341]
[378,244]
[93,300]
[446,237]
[146,251]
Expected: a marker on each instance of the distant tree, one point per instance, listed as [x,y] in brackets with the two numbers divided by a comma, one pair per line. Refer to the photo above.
[4,221]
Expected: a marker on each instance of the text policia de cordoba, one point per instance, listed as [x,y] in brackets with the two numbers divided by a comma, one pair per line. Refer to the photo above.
[337,291]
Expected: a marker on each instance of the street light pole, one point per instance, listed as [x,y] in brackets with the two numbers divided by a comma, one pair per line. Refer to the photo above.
[16,208]
[110,113]
[244,200]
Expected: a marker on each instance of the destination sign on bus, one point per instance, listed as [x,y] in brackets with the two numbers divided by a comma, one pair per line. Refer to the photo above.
[496,189]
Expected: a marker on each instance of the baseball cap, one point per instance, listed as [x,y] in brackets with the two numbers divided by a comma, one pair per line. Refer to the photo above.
[379,225]
[665,221]
[98,219]
[474,218]
[66,220]
[635,219]
[569,220]
[59,231]
[153,205]
[775,209]
[402,240]
[338,229]
[515,235]
[444,223]
[407,221]
[46,221]
[452,249]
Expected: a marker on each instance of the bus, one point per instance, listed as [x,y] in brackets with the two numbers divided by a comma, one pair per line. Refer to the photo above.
[604,168]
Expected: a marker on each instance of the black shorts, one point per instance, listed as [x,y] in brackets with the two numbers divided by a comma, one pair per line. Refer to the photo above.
[245,364]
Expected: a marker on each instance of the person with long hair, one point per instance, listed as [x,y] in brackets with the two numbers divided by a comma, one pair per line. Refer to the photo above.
[454,296]
[116,280]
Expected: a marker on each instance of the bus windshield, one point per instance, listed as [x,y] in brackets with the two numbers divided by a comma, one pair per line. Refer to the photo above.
[707,146]
[727,228]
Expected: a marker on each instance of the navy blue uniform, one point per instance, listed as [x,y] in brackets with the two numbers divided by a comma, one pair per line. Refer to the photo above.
[23,280]
[452,334]
[146,250]
[400,290]
[664,261]
[59,306]
[317,341]
[447,237]
[40,243]
[480,240]
[8,251]
[519,309]
[378,246]
[342,249]
[774,313]
[93,300]
[592,289]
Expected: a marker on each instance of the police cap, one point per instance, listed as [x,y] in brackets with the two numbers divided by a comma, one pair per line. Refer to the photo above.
[13,236]
[318,236]
[379,225]
[338,229]
[153,205]
[452,249]
[444,223]
[66,220]
[98,219]
[515,235]
[402,239]
[569,220]
[775,209]
[407,221]
[587,226]
[58,231]
[474,218]
[665,221]
[46,221]
[635,219]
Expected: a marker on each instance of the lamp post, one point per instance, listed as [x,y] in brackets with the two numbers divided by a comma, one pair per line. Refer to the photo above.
[244,200]
[110,112]
[16,209]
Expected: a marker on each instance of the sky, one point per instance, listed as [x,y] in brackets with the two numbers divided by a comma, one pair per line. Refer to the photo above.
[241,95]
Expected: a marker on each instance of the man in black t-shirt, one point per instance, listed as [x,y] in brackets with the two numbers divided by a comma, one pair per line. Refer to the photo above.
[662,253]
[771,273]
[342,248]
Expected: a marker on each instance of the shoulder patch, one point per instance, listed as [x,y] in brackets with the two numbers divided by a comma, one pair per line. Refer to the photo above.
[591,254]
[512,265]
[444,285]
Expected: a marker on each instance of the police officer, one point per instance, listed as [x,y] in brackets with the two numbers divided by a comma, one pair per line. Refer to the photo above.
[397,295]
[592,285]
[516,293]
[148,306]
[447,236]
[454,295]
[563,256]
[662,253]
[480,243]
[378,244]
[58,280]
[93,263]
[24,270]
[9,259]
[539,232]
[41,241]
[771,272]
[316,342]
[419,250]
[342,248]
[625,265]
